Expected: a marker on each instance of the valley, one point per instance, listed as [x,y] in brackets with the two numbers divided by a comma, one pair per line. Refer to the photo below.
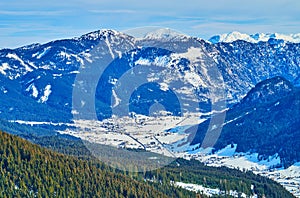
[161,95]
[166,135]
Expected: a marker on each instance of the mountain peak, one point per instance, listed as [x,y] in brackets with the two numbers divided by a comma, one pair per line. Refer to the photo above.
[95,35]
[164,33]
[230,37]
[268,90]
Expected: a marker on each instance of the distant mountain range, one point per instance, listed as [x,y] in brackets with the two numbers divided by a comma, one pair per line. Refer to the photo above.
[254,38]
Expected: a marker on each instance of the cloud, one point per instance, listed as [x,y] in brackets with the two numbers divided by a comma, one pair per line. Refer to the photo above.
[64,19]
[33,13]
[113,11]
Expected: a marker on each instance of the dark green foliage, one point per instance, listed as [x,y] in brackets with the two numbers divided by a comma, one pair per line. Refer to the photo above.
[223,178]
[27,170]
[180,170]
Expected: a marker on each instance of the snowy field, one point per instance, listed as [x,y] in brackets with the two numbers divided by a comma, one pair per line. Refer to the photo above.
[155,134]
[211,191]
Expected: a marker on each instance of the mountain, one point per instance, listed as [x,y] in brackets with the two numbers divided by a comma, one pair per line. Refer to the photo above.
[38,80]
[27,170]
[266,121]
[253,38]
[45,88]
[163,33]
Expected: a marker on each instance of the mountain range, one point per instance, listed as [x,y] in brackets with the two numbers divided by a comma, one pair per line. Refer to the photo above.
[254,79]
[254,38]
[38,79]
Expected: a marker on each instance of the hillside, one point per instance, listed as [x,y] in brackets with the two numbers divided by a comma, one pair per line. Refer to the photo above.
[28,170]
[266,121]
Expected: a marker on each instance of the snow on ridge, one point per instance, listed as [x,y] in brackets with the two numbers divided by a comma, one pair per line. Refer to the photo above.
[39,55]
[254,38]
[16,57]
[99,33]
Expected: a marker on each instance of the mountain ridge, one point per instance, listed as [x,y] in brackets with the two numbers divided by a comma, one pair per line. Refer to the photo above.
[166,33]
[56,64]
[253,38]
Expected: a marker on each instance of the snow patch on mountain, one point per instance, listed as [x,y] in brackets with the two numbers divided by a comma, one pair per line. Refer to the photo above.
[117,100]
[4,67]
[109,48]
[3,89]
[160,61]
[142,61]
[229,150]
[164,86]
[34,90]
[210,191]
[193,54]
[229,158]
[87,56]
[47,92]
[193,79]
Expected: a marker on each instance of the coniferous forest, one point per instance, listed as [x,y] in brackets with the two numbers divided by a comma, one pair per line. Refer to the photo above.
[29,170]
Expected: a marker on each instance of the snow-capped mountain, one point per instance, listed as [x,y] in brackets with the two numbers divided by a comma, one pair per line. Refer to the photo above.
[43,75]
[163,33]
[256,75]
[254,38]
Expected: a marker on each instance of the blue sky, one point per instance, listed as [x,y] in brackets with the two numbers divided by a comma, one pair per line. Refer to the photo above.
[31,21]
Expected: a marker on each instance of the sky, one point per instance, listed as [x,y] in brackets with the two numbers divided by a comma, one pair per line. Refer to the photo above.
[36,21]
